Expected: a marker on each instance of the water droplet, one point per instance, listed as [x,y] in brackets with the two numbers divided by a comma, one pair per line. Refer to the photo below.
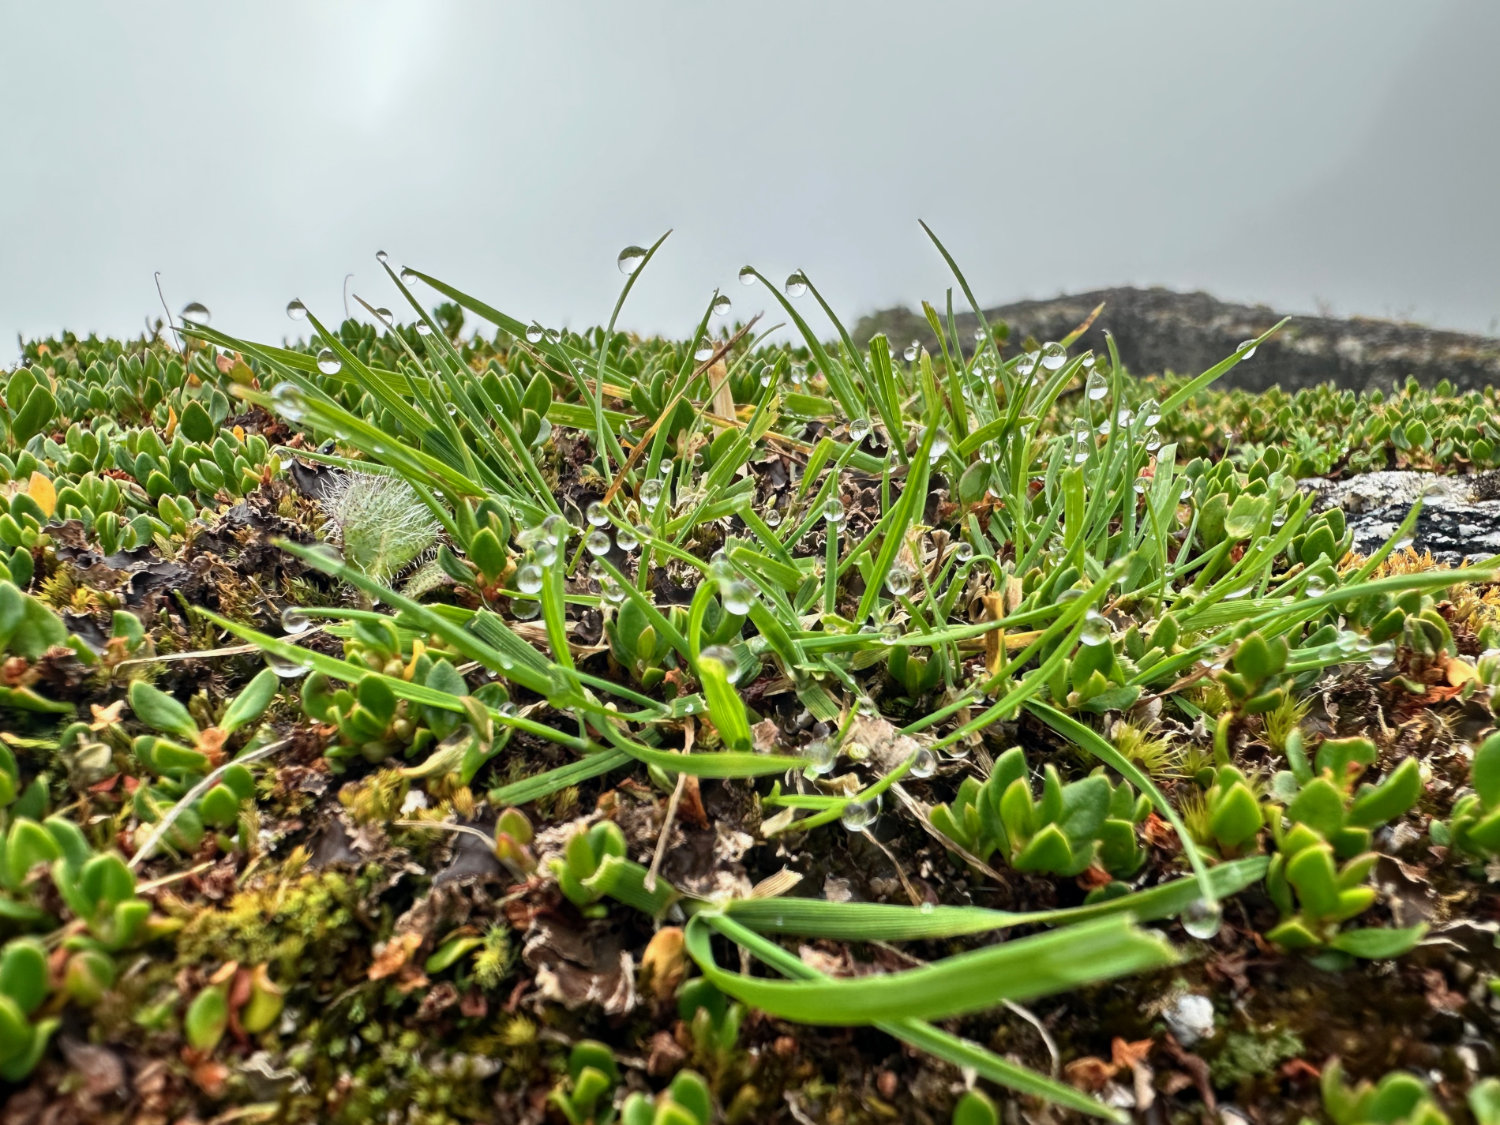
[554,334]
[924,763]
[720,305]
[596,514]
[1404,544]
[736,596]
[898,581]
[626,538]
[833,511]
[630,259]
[797,374]
[534,333]
[525,609]
[704,351]
[408,275]
[725,656]
[1095,628]
[1087,361]
[508,709]
[979,335]
[329,363]
[296,309]
[858,816]
[1026,365]
[596,542]
[989,452]
[286,668]
[765,376]
[910,354]
[859,429]
[289,401]
[1054,355]
[382,257]
[821,754]
[529,579]
[294,622]
[1246,348]
[796,283]
[196,311]
[385,316]
[940,444]
[772,517]
[328,553]
[1315,587]
[545,552]
[747,275]
[962,553]
[423,328]
[1096,386]
[651,493]
[890,633]
[1203,919]
[959,750]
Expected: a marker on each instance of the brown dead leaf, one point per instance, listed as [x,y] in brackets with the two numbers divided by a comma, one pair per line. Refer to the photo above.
[394,955]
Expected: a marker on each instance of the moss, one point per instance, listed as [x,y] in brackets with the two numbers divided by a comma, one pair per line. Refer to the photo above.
[304,927]
[1252,1054]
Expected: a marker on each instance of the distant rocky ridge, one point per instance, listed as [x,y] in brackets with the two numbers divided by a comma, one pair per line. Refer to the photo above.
[1158,330]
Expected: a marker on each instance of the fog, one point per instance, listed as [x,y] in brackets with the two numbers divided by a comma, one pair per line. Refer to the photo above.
[1313,156]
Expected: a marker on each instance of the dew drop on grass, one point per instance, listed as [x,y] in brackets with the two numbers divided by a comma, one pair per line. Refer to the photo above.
[289,401]
[962,553]
[910,354]
[772,517]
[630,259]
[196,311]
[382,257]
[286,668]
[651,493]
[859,429]
[704,350]
[555,528]
[1150,413]
[597,542]
[898,581]
[924,764]
[534,333]
[612,592]
[821,754]
[989,452]
[833,511]
[1202,920]
[1096,386]
[858,816]
[890,633]
[747,275]
[384,315]
[296,309]
[408,275]
[328,553]
[626,538]
[1315,587]
[545,552]
[796,283]
[1087,361]
[1026,365]
[423,328]
[1246,349]
[765,377]
[1382,655]
[736,596]
[720,306]
[525,609]
[596,514]
[529,579]
[509,709]
[725,656]
[1095,628]
[1054,355]
[797,374]
[329,363]
[940,444]
[294,622]
[958,750]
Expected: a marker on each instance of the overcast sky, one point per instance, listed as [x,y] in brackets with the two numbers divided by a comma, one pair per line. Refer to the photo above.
[1303,154]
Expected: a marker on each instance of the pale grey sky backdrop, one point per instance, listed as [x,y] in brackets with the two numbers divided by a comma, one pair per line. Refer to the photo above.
[1296,152]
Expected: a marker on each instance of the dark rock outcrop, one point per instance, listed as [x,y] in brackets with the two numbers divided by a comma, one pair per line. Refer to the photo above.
[1459,521]
[1158,330]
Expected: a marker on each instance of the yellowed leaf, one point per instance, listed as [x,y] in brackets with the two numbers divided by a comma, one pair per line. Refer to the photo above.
[42,491]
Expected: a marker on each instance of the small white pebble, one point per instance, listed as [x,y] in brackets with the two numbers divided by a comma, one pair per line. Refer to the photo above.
[1191,1018]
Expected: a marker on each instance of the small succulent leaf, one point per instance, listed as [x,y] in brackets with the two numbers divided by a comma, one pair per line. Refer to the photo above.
[1484,772]
[160,711]
[1319,806]
[251,703]
[1311,872]
[23,973]
[1376,943]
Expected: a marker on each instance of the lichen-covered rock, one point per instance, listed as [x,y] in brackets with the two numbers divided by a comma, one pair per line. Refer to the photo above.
[1459,522]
